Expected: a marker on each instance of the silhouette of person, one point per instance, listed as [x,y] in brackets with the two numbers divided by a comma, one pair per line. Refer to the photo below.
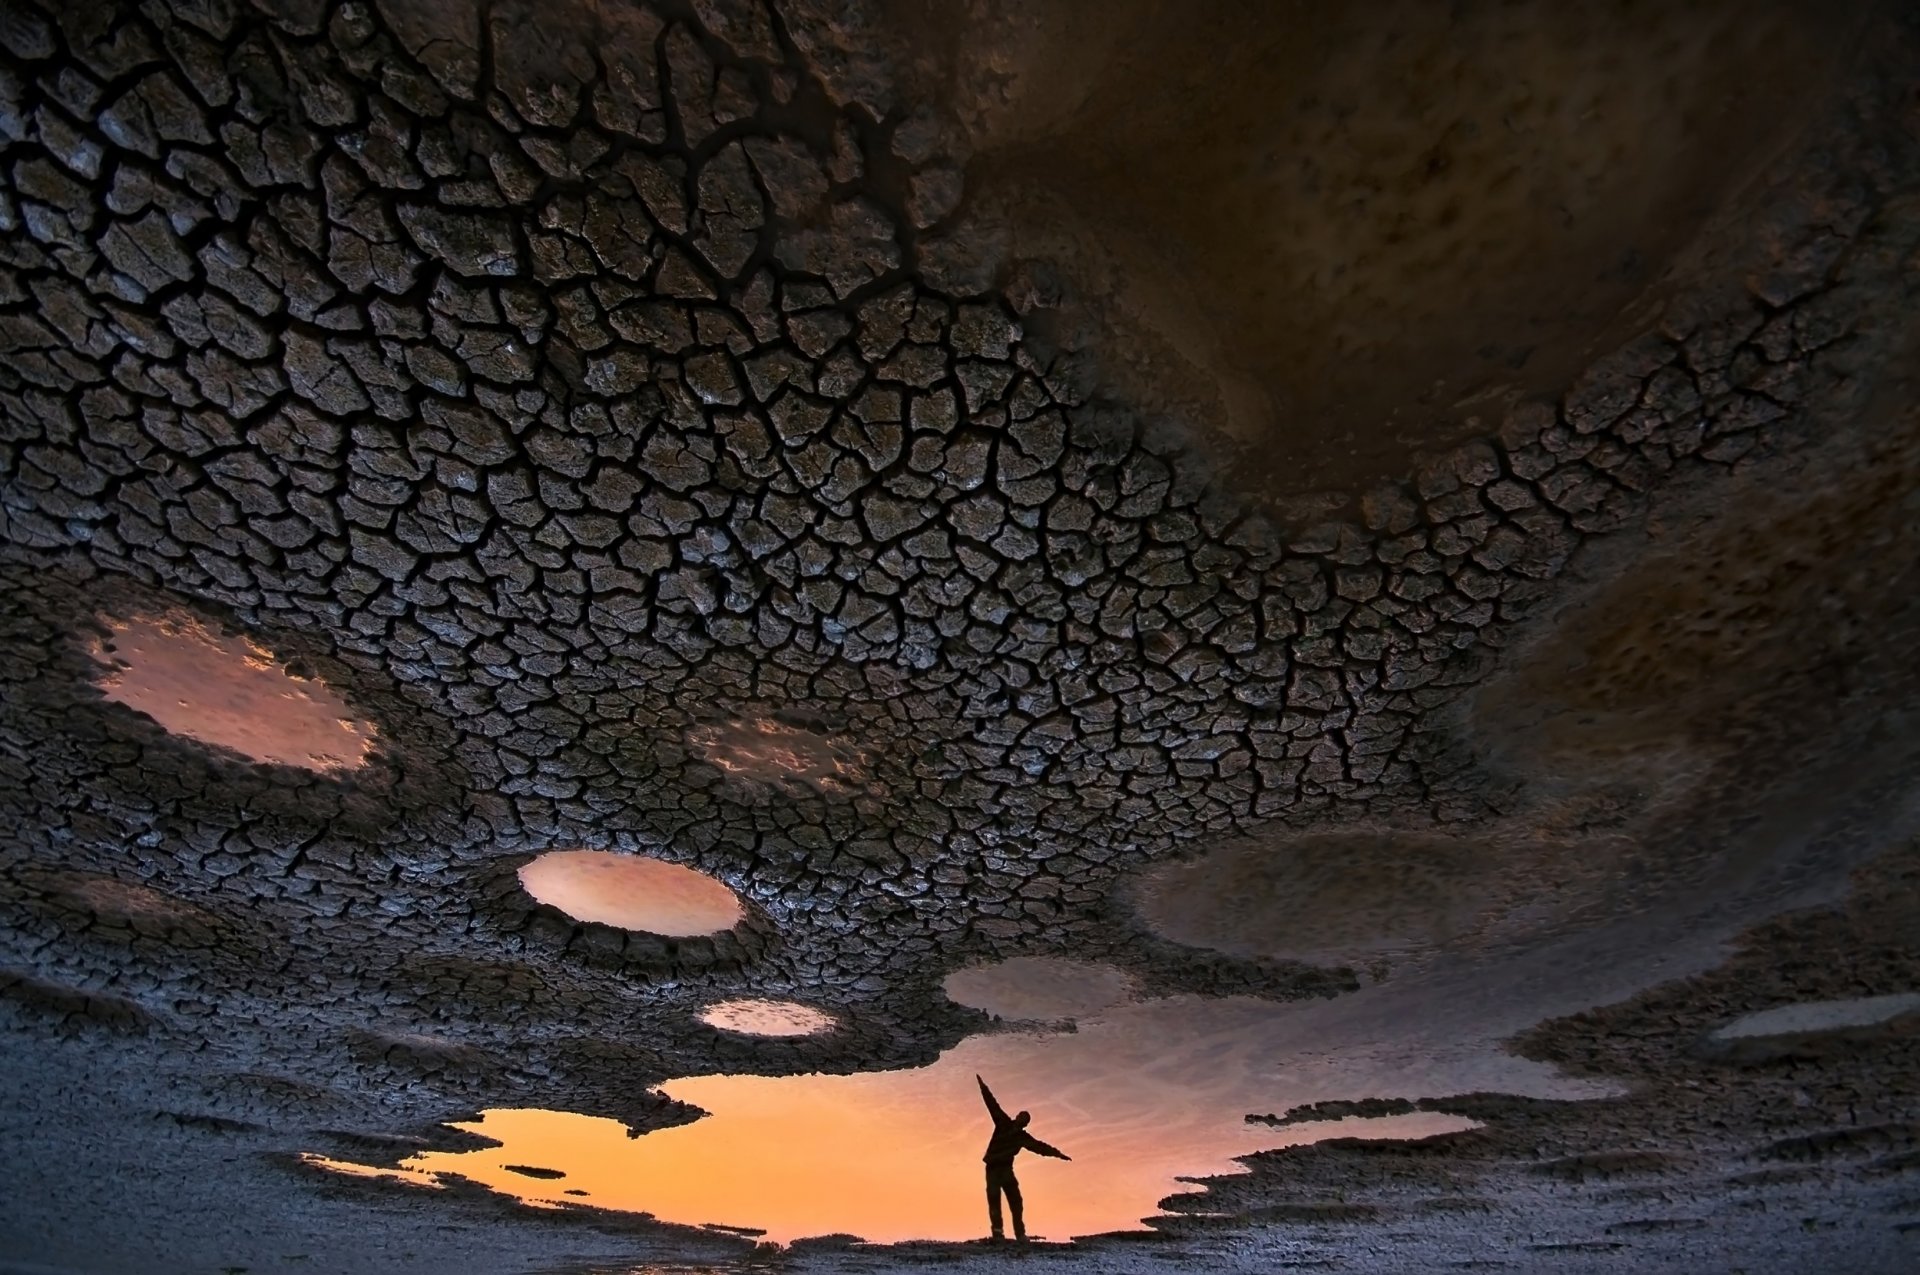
[1010,1138]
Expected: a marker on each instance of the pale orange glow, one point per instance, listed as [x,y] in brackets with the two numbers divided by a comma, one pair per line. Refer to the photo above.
[845,1160]
[632,892]
[228,692]
[761,751]
[1140,1097]
[767,1018]
[405,1177]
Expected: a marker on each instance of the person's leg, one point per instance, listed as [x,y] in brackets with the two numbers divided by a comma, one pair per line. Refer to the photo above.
[1013,1203]
[993,1205]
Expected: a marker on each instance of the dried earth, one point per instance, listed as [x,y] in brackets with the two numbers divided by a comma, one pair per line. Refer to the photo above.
[808,445]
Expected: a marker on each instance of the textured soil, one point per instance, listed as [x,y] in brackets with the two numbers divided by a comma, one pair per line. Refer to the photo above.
[583,391]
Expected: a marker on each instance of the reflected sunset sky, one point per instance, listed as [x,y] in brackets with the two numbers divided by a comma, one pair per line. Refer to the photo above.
[633,892]
[229,692]
[1142,1096]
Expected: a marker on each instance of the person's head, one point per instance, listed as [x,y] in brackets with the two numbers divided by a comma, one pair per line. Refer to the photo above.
[1022,1119]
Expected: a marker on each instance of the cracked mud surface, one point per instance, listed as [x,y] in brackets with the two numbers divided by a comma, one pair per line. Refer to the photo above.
[632,413]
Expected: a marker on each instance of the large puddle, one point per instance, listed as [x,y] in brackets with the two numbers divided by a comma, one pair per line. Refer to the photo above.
[229,692]
[1145,1095]
[1142,1096]
[633,892]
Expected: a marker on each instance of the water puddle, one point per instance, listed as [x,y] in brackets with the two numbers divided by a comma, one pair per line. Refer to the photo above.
[1821,1016]
[765,754]
[632,892]
[229,692]
[1144,1097]
[671,1268]
[1039,988]
[757,1017]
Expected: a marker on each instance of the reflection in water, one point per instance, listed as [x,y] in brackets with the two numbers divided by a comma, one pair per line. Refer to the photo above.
[835,1157]
[670,1268]
[767,1018]
[763,751]
[1143,1096]
[631,892]
[1039,988]
[1821,1016]
[228,692]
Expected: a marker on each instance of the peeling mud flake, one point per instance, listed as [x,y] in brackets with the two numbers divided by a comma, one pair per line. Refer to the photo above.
[228,692]
[347,1168]
[535,1171]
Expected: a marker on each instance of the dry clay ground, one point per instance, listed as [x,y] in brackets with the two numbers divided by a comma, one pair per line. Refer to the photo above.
[571,389]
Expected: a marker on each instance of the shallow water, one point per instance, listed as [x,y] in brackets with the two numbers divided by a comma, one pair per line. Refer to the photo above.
[632,892]
[760,1017]
[228,692]
[1142,1096]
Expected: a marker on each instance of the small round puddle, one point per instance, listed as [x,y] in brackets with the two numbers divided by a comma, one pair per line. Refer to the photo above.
[227,692]
[1039,988]
[767,1018]
[632,893]
[764,751]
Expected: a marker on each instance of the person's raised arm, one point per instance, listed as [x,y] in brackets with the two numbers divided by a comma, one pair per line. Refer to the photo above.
[1038,1147]
[993,1108]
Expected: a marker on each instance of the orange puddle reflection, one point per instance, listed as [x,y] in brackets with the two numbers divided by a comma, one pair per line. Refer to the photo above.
[1140,1097]
[767,1018]
[228,692]
[632,892]
[763,751]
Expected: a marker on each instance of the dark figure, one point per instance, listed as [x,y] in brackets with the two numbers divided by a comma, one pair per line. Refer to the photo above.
[1010,1138]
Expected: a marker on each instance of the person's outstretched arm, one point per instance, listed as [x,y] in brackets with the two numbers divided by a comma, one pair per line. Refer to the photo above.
[993,1108]
[1038,1147]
